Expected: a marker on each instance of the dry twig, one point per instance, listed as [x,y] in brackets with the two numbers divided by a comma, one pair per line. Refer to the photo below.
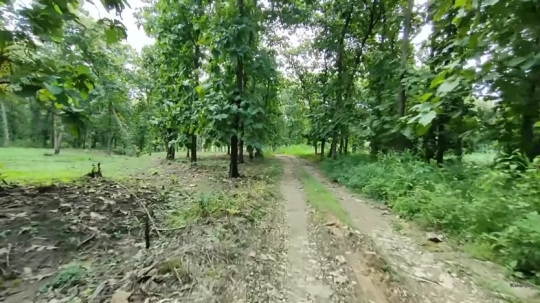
[144,207]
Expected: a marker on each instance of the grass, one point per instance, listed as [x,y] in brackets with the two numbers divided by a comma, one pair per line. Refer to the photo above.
[248,197]
[322,199]
[32,165]
[493,213]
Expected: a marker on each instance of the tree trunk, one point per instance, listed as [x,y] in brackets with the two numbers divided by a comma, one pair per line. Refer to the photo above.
[315,146]
[250,152]
[228,149]
[241,152]
[441,144]
[333,147]
[109,147]
[193,149]
[171,151]
[233,166]
[5,123]
[58,131]
[322,149]
[402,97]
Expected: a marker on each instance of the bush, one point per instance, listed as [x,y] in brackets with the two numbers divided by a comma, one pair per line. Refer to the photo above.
[472,201]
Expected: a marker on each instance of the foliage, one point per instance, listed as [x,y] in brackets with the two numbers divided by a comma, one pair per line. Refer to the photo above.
[474,202]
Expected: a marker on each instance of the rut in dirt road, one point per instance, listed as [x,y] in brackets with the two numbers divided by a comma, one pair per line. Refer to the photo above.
[303,285]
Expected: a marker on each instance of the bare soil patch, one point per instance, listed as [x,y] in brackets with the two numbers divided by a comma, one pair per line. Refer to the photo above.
[44,227]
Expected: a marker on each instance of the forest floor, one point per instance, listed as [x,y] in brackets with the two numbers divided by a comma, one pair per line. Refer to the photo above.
[282,233]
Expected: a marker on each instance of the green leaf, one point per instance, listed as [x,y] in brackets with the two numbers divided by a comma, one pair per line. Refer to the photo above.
[407,132]
[438,80]
[426,97]
[83,69]
[112,35]
[489,2]
[55,90]
[422,130]
[221,116]
[425,119]
[516,61]
[460,3]
[448,86]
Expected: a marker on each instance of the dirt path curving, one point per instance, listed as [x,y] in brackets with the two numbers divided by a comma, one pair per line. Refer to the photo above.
[428,275]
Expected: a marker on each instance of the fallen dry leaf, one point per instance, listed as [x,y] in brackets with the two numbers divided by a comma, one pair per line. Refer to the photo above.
[120,296]
[97,216]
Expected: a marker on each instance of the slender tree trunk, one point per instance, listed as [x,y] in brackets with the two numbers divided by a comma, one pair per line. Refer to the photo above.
[315,146]
[5,123]
[233,166]
[346,147]
[109,146]
[188,153]
[58,131]
[402,97]
[228,149]
[193,149]
[250,152]
[322,148]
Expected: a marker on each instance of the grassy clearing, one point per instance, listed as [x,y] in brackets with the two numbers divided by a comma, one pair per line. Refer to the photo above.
[296,150]
[322,199]
[493,216]
[36,165]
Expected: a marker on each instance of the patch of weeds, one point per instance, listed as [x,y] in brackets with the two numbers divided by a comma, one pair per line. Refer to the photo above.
[396,225]
[71,276]
[322,199]
[217,205]
[481,251]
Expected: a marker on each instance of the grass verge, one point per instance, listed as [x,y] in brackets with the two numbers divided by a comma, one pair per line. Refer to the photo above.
[322,199]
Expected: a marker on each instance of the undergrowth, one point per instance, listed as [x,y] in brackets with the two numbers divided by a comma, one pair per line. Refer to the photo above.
[494,212]
[248,198]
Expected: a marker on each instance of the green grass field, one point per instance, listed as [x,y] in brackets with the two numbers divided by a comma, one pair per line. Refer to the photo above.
[35,165]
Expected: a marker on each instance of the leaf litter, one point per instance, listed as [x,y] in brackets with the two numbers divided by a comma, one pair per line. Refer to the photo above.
[84,241]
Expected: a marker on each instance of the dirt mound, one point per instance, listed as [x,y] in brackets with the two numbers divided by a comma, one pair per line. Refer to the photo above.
[42,227]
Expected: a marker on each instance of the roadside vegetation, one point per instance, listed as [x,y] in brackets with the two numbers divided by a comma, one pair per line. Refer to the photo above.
[489,209]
